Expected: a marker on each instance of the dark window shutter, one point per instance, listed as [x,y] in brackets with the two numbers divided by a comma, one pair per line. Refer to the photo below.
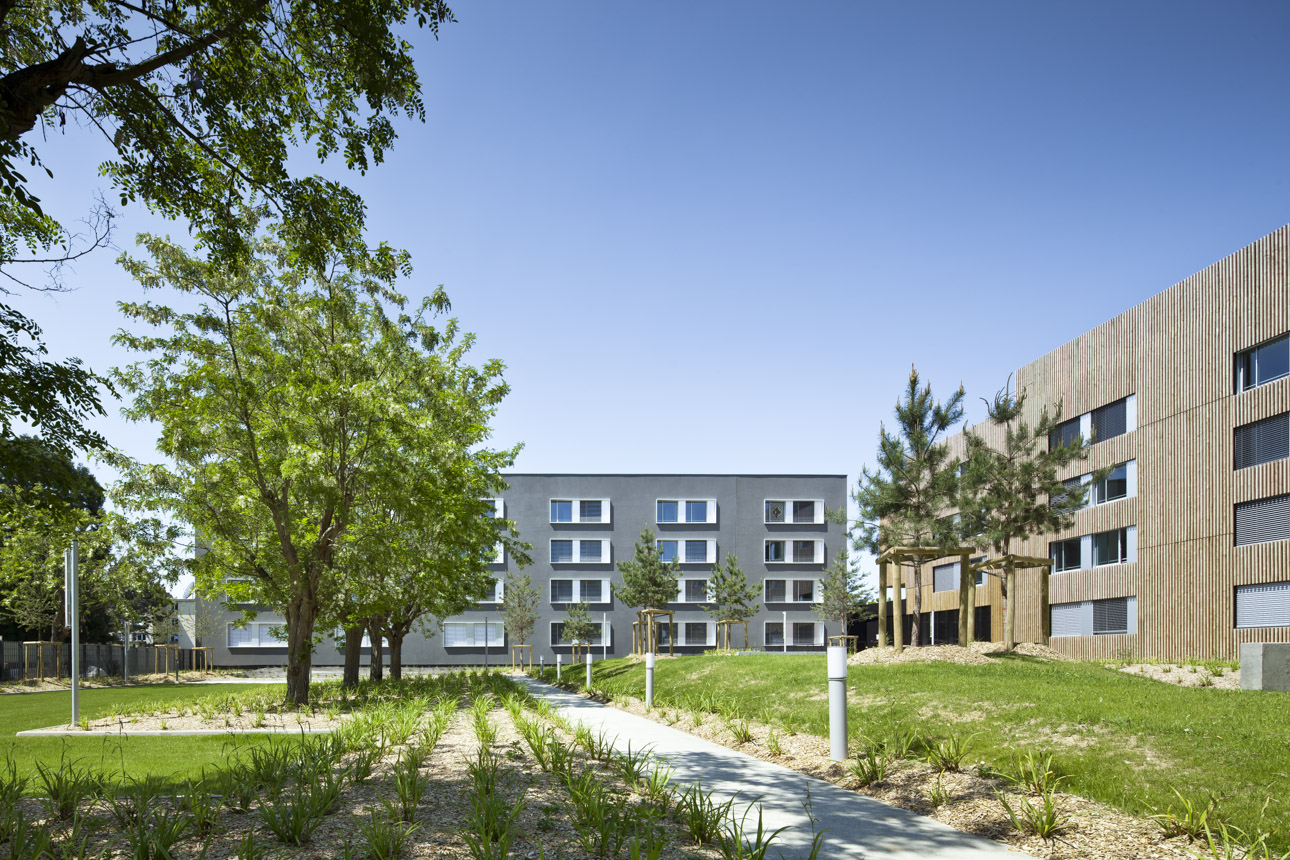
[1111,420]
[1263,520]
[1261,442]
[1111,616]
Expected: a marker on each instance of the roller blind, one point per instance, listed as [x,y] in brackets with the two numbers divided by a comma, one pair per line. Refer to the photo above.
[1261,442]
[945,577]
[1111,616]
[1263,520]
[1266,605]
[1066,619]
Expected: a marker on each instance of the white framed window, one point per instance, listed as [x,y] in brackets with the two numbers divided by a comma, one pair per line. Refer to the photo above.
[693,591]
[945,577]
[1105,422]
[793,511]
[257,634]
[773,634]
[685,511]
[792,590]
[338,636]
[471,634]
[795,551]
[1067,554]
[557,634]
[1120,483]
[580,590]
[807,634]
[576,551]
[688,550]
[1117,546]
[580,510]
[496,513]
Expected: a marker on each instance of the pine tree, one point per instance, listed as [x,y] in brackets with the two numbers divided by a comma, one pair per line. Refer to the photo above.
[578,626]
[842,595]
[903,501]
[649,582]
[734,598]
[1013,491]
[520,600]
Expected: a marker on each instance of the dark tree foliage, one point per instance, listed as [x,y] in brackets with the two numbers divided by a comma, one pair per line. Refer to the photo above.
[28,462]
[903,501]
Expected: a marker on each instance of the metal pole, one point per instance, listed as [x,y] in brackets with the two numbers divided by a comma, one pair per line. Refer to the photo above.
[649,681]
[125,652]
[604,635]
[588,668]
[559,660]
[837,666]
[485,641]
[73,622]
[542,666]
[785,632]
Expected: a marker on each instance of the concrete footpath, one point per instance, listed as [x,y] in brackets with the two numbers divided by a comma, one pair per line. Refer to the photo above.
[854,825]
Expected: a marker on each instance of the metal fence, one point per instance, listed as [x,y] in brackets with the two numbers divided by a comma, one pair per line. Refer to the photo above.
[54,661]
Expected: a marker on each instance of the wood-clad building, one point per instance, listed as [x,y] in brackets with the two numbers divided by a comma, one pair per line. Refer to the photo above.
[1185,550]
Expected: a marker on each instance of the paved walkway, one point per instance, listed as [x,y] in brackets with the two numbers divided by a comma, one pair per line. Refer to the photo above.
[856,825]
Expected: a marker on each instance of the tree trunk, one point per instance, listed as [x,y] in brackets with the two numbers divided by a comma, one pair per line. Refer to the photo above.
[915,629]
[353,656]
[882,605]
[971,619]
[301,615]
[1010,616]
[376,665]
[396,656]
[967,581]
[1045,613]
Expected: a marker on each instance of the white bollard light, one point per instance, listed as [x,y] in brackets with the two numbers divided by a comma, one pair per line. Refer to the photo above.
[649,682]
[837,665]
[588,667]
[559,662]
[542,667]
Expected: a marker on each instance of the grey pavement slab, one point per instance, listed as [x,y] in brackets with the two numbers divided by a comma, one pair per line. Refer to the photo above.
[854,825]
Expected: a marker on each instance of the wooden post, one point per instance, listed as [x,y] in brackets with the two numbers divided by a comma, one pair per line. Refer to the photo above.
[898,615]
[967,582]
[1010,616]
[1045,615]
[882,604]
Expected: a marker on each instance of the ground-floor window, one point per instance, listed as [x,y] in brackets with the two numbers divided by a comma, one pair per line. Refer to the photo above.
[258,634]
[472,634]
[1095,617]
[1264,605]
[598,636]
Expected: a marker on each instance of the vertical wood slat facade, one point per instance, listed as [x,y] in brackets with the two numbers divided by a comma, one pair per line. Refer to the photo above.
[1176,353]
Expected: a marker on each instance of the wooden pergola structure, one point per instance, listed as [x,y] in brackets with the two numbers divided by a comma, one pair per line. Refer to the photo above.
[725,633]
[645,631]
[208,657]
[517,655]
[39,645]
[1010,564]
[172,658]
[852,642]
[918,556]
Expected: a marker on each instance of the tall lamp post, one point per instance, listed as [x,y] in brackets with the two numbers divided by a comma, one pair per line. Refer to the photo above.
[71,617]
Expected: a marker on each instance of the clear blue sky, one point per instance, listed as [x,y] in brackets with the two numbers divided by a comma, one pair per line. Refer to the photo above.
[714,236]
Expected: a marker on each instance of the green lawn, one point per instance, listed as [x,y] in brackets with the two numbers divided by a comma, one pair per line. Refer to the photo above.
[1121,739]
[178,757]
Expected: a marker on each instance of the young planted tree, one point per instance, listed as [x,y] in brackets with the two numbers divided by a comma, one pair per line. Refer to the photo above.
[649,582]
[1011,491]
[288,399]
[578,626]
[733,597]
[520,599]
[842,594]
[903,501]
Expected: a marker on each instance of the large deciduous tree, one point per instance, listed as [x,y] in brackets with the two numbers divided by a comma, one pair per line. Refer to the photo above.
[201,103]
[1011,490]
[904,500]
[289,400]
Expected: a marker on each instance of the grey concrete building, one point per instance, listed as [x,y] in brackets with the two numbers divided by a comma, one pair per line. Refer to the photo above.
[582,526]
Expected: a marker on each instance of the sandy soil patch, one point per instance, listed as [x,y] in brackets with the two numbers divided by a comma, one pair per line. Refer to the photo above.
[1184,675]
[978,655]
[1095,831]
